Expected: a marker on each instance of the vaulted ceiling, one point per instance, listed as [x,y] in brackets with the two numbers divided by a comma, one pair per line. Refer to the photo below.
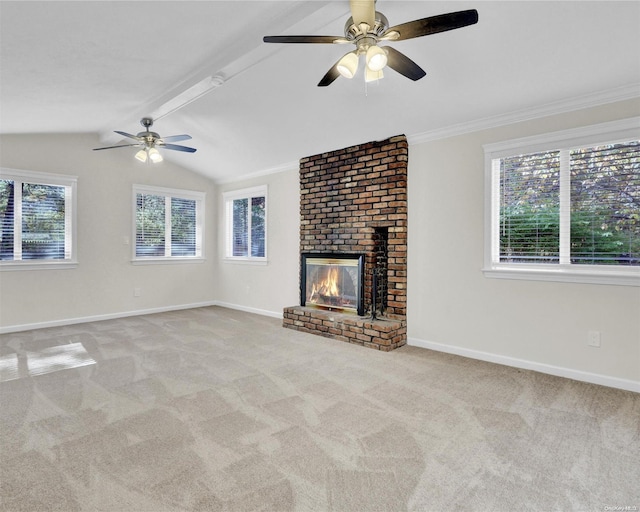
[95,67]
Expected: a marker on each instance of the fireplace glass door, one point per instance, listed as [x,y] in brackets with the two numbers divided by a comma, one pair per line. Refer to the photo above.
[333,282]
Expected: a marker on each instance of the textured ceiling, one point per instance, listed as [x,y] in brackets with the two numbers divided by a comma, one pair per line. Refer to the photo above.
[95,67]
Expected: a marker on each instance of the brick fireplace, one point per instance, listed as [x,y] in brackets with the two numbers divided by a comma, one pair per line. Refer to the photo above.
[354,201]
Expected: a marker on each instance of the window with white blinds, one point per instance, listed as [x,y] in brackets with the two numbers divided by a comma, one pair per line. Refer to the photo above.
[169,224]
[37,220]
[245,224]
[605,204]
[566,206]
[530,208]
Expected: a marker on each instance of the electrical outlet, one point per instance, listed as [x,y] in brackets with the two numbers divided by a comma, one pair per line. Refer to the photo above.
[137,292]
[593,338]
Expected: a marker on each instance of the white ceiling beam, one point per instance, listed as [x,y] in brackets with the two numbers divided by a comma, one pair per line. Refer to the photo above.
[239,55]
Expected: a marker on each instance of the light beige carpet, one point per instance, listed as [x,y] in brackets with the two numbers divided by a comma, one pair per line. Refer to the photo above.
[214,409]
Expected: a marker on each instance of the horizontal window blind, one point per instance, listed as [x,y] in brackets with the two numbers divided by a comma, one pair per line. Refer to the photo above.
[530,208]
[150,225]
[7,216]
[183,227]
[258,209]
[605,204]
[240,233]
[246,223]
[43,221]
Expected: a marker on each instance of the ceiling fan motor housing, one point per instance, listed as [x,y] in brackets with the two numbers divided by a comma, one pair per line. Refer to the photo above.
[354,32]
[150,138]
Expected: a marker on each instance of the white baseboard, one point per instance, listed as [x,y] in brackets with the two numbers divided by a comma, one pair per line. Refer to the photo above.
[246,309]
[593,378]
[98,318]
[138,312]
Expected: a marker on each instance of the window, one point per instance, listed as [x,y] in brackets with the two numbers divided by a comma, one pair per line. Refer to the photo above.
[37,220]
[566,206]
[169,224]
[246,224]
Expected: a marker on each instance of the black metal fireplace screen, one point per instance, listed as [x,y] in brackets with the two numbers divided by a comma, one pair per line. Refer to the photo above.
[332,281]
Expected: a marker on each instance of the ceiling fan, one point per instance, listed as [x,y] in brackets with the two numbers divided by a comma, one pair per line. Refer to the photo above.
[366,28]
[150,142]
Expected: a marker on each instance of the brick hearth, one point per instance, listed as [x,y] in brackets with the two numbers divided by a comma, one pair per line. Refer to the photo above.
[381,334]
[354,200]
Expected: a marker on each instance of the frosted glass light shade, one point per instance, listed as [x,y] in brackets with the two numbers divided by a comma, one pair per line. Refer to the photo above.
[142,155]
[371,76]
[348,65]
[376,58]
[155,156]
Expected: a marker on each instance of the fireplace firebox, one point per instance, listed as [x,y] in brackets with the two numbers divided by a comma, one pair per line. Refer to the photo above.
[332,281]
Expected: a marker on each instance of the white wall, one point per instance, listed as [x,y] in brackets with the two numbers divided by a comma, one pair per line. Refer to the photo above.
[103,283]
[453,307]
[265,289]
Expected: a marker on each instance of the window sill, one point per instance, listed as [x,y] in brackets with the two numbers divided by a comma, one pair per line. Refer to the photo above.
[601,275]
[9,265]
[175,260]
[246,261]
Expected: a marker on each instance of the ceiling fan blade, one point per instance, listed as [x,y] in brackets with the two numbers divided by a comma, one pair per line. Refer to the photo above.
[330,77]
[305,39]
[175,138]
[403,64]
[176,147]
[363,11]
[433,25]
[120,146]
[125,134]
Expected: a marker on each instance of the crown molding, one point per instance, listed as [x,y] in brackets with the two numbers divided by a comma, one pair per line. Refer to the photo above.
[559,107]
[290,166]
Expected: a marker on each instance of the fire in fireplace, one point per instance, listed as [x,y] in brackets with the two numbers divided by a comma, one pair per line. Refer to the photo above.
[333,281]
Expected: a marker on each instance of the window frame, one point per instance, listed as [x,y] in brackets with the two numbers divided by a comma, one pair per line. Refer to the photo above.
[594,135]
[169,193]
[71,225]
[228,198]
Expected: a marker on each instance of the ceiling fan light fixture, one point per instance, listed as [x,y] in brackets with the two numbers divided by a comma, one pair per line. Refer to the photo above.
[348,65]
[376,58]
[142,155]
[155,156]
